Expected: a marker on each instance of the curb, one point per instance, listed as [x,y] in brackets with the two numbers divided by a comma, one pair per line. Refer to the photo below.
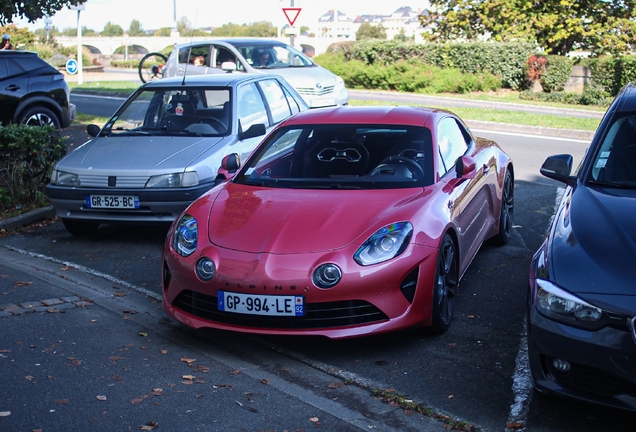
[26,219]
[531,130]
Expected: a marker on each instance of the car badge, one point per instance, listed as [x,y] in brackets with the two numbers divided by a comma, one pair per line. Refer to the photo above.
[319,86]
[112,181]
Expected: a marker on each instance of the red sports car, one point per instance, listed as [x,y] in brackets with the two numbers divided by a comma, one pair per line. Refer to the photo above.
[343,222]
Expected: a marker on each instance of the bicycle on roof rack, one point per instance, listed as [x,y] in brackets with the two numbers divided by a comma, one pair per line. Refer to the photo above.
[151,66]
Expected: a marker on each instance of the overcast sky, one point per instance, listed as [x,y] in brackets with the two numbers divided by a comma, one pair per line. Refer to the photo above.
[154,14]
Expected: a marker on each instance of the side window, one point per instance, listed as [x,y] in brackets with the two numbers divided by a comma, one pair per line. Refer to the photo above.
[275,99]
[13,68]
[251,109]
[196,55]
[3,69]
[451,142]
[293,104]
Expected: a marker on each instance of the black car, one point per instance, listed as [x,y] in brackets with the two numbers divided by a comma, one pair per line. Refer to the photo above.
[32,92]
[582,297]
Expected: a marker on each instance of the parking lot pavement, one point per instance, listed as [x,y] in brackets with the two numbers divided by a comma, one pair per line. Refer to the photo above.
[81,353]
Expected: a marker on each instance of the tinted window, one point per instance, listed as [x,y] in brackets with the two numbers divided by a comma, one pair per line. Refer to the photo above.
[3,69]
[616,158]
[13,68]
[32,63]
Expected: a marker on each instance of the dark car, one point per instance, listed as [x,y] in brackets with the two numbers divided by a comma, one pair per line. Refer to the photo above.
[582,297]
[32,92]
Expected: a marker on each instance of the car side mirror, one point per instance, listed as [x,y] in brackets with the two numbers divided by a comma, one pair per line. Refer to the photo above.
[229,165]
[465,167]
[558,167]
[228,66]
[253,131]
[93,130]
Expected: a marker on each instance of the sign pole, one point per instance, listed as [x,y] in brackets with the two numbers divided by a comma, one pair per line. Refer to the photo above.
[79,50]
[292,36]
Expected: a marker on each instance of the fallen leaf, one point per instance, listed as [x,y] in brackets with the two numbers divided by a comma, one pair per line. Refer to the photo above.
[101,398]
[335,385]
[53,310]
[19,284]
[62,401]
[471,316]
[314,419]
[115,358]
[28,377]
[5,413]
[149,426]
[144,334]
[188,377]
[264,381]
[514,425]
[157,392]
[65,268]
[235,372]
[284,369]
[137,401]
[188,360]
[163,351]
[186,382]
[5,351]
[119,294]
[451,396]
[201,368]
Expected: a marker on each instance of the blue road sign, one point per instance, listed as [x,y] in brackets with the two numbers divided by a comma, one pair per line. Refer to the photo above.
[71,66]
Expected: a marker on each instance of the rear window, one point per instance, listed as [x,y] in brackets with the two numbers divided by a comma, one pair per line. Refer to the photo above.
[28,63]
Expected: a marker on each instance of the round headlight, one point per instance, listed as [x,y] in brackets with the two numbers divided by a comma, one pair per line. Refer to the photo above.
[327,275]
[185,236]
[205,269]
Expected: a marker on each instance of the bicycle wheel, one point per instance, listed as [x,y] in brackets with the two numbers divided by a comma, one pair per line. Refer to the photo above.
[150,66]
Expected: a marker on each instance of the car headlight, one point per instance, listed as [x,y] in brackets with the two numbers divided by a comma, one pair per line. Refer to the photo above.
[339,82]
[186,179]
[62,178]
[184,240]
[559,305]
[386,243]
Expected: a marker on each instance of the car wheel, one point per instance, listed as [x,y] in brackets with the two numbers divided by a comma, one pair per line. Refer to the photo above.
[444,286]
[507,211]
[39,116]
[80,228]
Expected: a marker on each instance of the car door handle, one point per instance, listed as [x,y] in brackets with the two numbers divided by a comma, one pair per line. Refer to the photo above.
[13,87]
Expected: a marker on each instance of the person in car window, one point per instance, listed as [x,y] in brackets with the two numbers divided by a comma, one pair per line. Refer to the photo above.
[6,42]
[262,58]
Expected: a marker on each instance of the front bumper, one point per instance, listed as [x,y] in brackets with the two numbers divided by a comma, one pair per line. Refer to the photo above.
[156,205]
[367,300]
[602,363]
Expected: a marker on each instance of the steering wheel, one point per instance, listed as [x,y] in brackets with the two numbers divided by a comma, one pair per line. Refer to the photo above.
[215,123]
[414,167]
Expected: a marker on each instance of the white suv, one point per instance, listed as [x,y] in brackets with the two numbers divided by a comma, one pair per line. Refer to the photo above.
[317,86]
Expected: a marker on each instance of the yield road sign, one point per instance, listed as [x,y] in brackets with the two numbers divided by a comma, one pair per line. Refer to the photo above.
[71,66]
[291,14]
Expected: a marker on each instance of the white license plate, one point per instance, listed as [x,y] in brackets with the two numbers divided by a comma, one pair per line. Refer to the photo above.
[321,102]
[257,304]
[112,201]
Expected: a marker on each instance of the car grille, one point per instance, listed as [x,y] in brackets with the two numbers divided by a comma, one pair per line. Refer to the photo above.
[594,381]
[314,91]
[101,181]
[317,315]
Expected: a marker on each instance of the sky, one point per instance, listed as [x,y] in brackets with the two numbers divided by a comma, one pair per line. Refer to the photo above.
[154,14]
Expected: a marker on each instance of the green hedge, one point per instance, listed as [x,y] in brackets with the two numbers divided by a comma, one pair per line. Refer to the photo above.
[406,76]
[28,156]
[613,73]
[556,73]
[504,60]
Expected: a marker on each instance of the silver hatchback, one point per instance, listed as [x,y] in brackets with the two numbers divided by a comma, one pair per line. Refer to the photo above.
[318,86]
[162,149]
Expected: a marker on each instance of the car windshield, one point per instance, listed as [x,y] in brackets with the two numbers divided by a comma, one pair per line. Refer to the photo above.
[191,111]
[614,164]
[341,156]
[274,57]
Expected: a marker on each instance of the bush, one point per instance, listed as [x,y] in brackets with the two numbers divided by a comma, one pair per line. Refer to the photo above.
[613,73]
[129,64]
[556,73]
[28,156]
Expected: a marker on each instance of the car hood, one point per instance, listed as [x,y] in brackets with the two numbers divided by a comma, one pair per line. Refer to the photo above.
[291,221]
[593,248]
[115,153]
[306,77]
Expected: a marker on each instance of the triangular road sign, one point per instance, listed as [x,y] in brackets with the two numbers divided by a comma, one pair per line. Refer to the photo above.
[291,14]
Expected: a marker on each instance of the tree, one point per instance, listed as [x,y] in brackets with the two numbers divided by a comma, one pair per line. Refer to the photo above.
[19,36]
[369,31]
[135,29]
[600,26]
[111,29]
[32,10]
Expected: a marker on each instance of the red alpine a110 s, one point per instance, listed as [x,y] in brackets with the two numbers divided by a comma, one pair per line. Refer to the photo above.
[343,222]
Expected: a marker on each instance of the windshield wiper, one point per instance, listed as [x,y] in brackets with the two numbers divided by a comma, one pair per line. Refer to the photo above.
[616,185]
[131,131]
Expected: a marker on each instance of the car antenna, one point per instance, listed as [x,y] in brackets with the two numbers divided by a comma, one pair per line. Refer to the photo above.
[185,70]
